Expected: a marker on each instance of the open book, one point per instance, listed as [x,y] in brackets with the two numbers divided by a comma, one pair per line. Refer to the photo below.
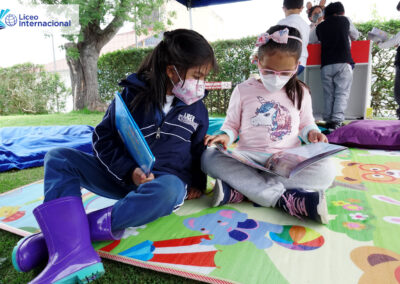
[377,35]
[288,162]
[132,136]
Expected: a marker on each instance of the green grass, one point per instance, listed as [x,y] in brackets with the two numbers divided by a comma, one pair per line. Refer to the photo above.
[116,272]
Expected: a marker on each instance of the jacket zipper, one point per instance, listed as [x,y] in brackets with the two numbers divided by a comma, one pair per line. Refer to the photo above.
[158,132]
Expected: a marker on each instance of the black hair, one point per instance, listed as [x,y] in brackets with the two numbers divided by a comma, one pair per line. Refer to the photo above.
[398,6]
[293,4]
[311,10]
[182,48]
[334,8]
[292,48]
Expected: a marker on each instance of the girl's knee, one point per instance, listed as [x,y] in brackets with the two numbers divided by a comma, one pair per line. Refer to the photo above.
[328,171]
[209,160]
[57,153]
[172,190]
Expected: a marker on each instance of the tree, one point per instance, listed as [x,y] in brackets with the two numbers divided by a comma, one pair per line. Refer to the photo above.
[83,50]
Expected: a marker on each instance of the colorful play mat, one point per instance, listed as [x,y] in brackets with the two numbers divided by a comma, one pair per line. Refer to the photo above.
[245,243]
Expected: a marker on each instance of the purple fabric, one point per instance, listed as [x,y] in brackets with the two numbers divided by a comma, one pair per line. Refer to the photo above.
[372,134]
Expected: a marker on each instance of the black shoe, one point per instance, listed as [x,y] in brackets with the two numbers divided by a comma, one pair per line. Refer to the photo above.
[333,125]
[298,202]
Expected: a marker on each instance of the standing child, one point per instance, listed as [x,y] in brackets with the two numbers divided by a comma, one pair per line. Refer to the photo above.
[292,10]
[335,33]
[315,13]
[395,41]
[285,104]
[164,98]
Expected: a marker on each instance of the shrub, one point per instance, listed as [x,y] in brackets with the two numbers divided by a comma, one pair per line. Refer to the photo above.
[382,85]
[28,88]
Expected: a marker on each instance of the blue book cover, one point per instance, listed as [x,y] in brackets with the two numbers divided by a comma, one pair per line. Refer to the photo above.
[132,136]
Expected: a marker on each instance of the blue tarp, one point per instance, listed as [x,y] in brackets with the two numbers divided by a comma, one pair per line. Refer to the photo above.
[25,147]
[215,124]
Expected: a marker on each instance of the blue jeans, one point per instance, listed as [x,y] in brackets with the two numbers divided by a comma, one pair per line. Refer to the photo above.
[336,84]
[67,170]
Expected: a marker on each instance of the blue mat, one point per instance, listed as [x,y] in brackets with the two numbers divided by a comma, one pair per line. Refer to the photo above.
[25,147]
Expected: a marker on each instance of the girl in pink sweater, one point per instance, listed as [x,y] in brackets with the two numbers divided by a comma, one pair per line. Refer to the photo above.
[270,115]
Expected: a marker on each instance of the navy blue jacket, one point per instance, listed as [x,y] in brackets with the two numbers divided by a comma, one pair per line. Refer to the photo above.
[176,139]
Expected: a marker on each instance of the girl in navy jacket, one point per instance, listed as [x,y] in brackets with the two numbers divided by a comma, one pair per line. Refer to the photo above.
[164,97]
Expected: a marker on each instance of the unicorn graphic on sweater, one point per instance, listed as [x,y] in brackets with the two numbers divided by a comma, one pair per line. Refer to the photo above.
[273,116]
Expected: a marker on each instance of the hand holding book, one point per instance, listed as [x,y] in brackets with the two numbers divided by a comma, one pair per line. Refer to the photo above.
[377,35]
[222,139]
[139,177]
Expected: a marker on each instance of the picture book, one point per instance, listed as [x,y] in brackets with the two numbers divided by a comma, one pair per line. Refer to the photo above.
[132,136]
[288,162]
[377,35]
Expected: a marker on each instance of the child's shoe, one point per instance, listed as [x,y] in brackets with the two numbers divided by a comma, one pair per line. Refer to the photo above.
[224,194]
[298,202]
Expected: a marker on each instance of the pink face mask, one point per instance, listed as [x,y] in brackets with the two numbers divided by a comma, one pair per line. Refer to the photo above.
[190,92]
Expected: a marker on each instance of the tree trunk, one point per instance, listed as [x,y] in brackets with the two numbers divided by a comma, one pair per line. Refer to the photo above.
[83,73]
[77,80]
[89,56]
[83,70]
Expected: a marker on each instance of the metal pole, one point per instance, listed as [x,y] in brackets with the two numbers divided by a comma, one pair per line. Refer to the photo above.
[55,69]
[54,54]
[190,18]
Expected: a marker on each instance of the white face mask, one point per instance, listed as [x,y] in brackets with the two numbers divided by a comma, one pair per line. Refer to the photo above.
[315,17]
[274,82]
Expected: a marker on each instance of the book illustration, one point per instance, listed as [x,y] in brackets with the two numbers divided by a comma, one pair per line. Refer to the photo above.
[288,162]
[132,136]
[377,35]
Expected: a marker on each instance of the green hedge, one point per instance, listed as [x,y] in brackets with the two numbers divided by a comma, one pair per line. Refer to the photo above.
[233,58]
[115,66]
[232,55]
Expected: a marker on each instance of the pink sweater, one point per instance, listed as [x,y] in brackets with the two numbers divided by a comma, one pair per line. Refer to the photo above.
[267,122]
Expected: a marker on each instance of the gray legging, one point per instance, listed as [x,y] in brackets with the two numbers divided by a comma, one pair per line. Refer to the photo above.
[261,187]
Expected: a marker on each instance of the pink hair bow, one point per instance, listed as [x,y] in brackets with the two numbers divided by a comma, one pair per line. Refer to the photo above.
[281,36]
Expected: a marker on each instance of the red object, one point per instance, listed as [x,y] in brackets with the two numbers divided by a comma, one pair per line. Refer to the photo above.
[111,246]
[359,52]
[205,258]
[181,242]
[17,215]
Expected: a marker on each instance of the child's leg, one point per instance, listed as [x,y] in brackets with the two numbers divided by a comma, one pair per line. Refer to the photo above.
[328,91]
[316,177]
[67,170]
[310,202]
[343,79]
[151,200]
[263,189]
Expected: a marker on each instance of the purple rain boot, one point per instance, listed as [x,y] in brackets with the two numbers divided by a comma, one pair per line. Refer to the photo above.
[31,251]
[65,228]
